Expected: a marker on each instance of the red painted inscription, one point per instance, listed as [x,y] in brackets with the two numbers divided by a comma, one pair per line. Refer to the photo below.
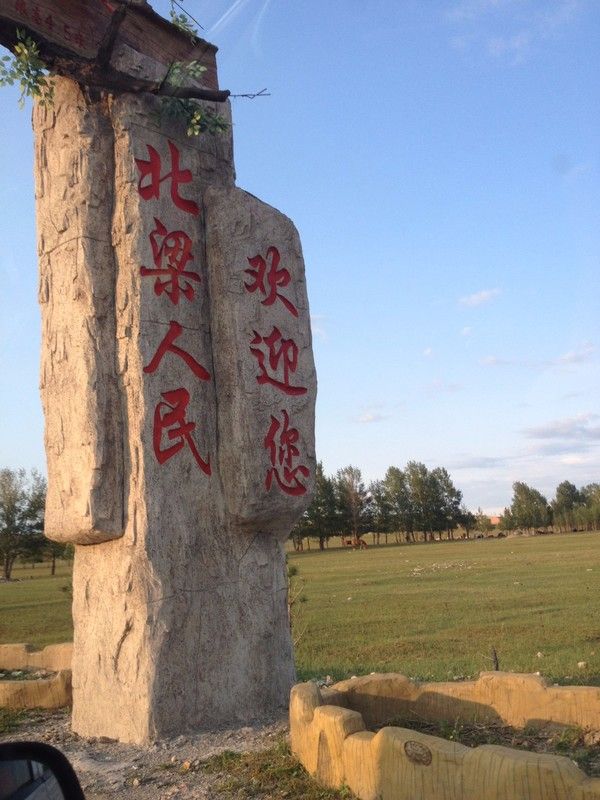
[169,418]
[49,23]
[171,250]
[167,346]
[276,361]
[281,442]
[150,178]
[267,279]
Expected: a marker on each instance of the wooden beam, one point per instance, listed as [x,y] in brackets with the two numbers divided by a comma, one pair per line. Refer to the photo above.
[111,44]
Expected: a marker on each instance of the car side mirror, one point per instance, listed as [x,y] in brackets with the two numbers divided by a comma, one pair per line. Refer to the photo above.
[35,771]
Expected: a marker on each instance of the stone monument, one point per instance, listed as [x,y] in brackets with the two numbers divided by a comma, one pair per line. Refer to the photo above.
[178,387]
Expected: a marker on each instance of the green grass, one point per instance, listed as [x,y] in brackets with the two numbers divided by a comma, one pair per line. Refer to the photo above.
[431,611]
[36,607]
[272,775]
[434,611]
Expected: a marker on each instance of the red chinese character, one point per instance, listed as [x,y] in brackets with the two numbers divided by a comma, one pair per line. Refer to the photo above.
[268,280]
[176,249]
[283,357]
[152,168]
[167,346]
[282,454]
[169,416]
[21,8]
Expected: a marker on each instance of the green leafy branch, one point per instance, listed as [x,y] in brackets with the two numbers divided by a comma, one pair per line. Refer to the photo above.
[196,118]
[26,68]
[182,21]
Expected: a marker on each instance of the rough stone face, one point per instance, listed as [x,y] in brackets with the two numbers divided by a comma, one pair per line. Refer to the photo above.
[181,619]
[79,384]
[264,368]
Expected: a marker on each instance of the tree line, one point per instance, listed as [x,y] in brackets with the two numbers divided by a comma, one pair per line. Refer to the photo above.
[416,503]
[411,502]
[571,509]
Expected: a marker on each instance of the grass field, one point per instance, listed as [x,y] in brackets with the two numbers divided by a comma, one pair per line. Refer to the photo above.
[36,607]
[432,611]
[435,611]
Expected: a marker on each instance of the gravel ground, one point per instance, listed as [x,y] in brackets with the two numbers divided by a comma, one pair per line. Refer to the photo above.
[171,768]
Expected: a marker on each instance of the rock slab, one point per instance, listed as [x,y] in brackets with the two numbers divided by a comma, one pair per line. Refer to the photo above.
[178,386]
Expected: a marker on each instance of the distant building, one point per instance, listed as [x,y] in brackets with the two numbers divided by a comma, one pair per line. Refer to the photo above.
[495,520]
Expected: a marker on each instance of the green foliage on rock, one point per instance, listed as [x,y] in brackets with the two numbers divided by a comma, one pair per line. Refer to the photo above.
[26,69]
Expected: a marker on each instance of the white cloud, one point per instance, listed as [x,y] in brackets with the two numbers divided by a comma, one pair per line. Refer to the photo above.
[515,46]
[371,416]
[479,298]
[510,30]
[571,428]
[466,331]
[479,462]
[428,352]
[576,460]
[581,355]
[317,324]
[584,353]
[439,386]
[495,361]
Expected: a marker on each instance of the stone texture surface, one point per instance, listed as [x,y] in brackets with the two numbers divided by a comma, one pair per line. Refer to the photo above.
[258,293]
[53,692]
[402,764]
[519,700]
[79,384]
[181,618]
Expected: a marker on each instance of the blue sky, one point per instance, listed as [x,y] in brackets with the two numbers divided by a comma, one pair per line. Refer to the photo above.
[441,162]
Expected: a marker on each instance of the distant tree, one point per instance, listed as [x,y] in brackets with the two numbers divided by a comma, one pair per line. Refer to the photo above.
[588,513]
[467,520]
[448,514]
[400,500]
[529,508]
[352,501]
[482,522]
[419,487]
[22,500]
[565,504]
[319,519]
[54,551]
[507,522]
[382,519]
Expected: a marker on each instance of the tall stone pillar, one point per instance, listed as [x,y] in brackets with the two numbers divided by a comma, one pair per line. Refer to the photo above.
[178,387]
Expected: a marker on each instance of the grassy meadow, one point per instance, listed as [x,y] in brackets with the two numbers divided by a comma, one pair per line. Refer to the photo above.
[432,611]
[35,607]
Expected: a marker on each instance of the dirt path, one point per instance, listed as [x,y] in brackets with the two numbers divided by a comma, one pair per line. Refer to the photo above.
[171,768]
